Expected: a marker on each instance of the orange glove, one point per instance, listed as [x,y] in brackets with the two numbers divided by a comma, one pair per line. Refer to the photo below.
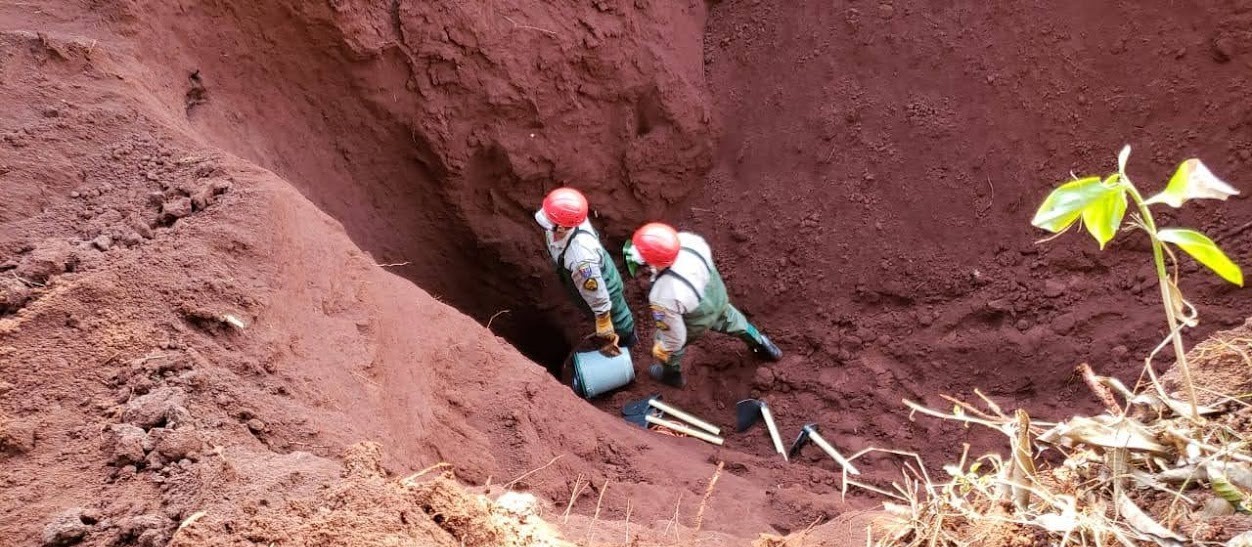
[659,353]
[604,331]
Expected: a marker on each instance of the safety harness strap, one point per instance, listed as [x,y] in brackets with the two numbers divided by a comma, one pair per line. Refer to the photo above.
[560,260]
[687,282]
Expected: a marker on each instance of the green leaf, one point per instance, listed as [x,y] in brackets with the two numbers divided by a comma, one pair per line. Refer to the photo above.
[1065,204]
[1204,251]
[1192,180]
[1104,215]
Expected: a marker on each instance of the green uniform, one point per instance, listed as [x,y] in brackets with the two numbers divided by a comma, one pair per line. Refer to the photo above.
[715,313]
[689,299]
[596,275]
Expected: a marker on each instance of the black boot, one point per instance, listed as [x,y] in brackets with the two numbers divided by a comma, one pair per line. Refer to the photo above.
[765,349]
[760,345]
[670,376]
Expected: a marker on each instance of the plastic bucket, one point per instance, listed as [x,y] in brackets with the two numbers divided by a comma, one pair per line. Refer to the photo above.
[596,374]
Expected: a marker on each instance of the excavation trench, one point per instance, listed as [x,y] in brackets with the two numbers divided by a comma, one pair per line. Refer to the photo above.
[864,174]
[867,215]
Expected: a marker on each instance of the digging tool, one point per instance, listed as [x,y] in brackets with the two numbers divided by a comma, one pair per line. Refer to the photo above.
[809,432]
[640,408]
[751,411]
[642,413]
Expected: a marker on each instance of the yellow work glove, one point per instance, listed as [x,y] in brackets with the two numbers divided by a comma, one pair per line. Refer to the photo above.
[659,353]
[604,331]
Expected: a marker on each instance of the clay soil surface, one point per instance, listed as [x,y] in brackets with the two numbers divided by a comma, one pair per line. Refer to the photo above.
[239,238]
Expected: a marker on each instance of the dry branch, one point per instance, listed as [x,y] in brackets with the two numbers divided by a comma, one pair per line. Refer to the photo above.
[1100,390]
[494,316]
[510,484]
[528,27]
[674,521]
[410,480]
[708,491]
[573,496]
[591,528]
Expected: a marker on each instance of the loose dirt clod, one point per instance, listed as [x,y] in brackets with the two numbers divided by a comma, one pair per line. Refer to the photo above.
[66,528]
[130,444]
[177,444]
[17,436]
[159,407]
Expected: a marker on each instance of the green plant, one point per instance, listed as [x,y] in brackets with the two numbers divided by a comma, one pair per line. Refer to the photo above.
[1101,203]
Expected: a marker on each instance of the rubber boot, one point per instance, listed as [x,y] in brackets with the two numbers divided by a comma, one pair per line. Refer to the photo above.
[767,350]
[670,376]
[761,345]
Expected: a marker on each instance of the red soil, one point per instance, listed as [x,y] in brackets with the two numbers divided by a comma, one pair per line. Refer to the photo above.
[871,201]
[167,164]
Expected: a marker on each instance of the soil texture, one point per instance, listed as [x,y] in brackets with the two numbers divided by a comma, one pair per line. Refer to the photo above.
[239,239]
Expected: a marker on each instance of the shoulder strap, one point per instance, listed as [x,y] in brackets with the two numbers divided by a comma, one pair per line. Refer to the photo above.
[699,256]
[685,281]
[560,260]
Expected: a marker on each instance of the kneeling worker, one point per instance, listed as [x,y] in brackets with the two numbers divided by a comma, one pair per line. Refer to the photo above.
[585,268]
[688,297]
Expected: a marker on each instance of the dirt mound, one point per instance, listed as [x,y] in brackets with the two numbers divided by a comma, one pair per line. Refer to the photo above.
[1219,364]
[365,507]
[194,332]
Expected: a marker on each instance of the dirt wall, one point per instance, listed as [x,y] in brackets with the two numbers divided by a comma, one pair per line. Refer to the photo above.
[871,197]
[432,130]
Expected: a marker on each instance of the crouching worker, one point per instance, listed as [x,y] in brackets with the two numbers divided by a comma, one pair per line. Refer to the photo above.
[688,297]
[589,275]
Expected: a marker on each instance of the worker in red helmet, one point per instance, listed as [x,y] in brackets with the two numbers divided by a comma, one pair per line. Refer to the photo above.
[688,297]
[585,268]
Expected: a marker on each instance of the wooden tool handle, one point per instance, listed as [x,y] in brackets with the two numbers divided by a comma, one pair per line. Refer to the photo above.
[686,417]
[825,446]
[773,431]
[685,430]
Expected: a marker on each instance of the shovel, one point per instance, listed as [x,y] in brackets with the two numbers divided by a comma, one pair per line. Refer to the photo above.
[649,411]
[749,412]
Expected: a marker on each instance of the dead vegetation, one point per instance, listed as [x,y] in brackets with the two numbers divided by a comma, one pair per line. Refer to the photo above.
[1141,473]
[368,507]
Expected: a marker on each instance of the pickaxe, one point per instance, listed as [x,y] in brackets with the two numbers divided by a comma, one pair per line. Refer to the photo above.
[751,411]
[648,411]
[810,433]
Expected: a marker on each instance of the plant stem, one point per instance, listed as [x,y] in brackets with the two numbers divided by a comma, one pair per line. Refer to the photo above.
[1158,255]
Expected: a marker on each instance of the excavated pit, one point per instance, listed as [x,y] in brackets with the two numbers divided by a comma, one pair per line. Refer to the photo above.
[864,174]
[431,138]
[432,131]
[869,209]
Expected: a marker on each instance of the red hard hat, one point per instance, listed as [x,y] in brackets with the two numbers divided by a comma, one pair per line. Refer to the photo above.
[657,244]
[565,207]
